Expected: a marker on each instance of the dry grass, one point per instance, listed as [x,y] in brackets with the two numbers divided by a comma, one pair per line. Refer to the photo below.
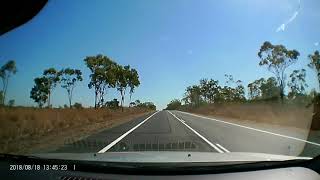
[269,113]
[18,125]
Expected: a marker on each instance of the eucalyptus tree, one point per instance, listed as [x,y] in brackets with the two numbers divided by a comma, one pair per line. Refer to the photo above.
[52,75]
[297,83]
[103,76]
[68,80]
[277,58]
[122,81]
[6,71]
[40,91]
[315,63]
[133,81]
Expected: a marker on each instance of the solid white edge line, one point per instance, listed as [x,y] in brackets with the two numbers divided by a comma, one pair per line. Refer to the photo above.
[223,148]
[203,138]
[124,135]
[254,129]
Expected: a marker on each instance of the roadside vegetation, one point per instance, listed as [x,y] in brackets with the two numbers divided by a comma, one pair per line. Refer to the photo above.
[21,125]
[24,127]
[279,99]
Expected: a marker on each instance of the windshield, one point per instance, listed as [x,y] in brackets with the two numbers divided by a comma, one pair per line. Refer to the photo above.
[234,80]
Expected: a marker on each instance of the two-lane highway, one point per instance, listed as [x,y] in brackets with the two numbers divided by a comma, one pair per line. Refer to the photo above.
[180,131]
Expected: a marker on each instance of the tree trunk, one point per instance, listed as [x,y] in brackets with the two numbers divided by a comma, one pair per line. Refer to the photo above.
[5,90]
[95,100]
[122,99]
[70,104]
[130,100]
[49,95]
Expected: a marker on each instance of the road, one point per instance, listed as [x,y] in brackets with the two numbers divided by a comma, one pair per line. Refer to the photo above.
[180,131]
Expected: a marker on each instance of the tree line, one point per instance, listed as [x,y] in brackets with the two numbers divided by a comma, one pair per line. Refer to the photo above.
[105,74]
[276,59]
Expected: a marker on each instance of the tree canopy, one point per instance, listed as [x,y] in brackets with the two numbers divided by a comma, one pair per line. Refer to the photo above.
[277,58]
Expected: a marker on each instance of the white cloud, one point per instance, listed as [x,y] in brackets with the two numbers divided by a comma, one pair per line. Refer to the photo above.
[316,43]
[283,26]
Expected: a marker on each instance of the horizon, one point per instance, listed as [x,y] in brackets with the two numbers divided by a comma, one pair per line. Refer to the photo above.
[170,47]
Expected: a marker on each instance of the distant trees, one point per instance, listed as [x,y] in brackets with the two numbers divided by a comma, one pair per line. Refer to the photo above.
[11,102]
[44,85]
[192,96]
[6,71]
[77,105]
[264,89]
[68,79]
[113,104]
[277,59]
[105,73]
[147,105]
[297,83]
[209,91]
[174,104]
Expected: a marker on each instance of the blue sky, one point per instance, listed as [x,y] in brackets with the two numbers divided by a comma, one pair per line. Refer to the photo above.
[172,43]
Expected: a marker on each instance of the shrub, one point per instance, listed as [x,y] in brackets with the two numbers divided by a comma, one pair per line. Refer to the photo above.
[77,105]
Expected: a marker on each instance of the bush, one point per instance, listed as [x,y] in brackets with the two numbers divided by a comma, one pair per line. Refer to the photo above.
[114,104]
[77,105]
[11,103]
[174,104]
[148,105]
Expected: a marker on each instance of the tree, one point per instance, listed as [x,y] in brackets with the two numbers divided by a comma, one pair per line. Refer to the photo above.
[254,89]
[11,102]
[174,104]
[69,78]
[209,90]
[277,59]
[133,81]
[297,83]
[264,89]
[40,91]
[1,98]
[122,77]
[270,89]
[192,96]
[103,76]
[148,105]
[315,63]
[234,92]
[6,71]
[52,75]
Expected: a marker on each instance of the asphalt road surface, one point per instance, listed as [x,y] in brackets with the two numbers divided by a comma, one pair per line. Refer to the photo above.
[180,131]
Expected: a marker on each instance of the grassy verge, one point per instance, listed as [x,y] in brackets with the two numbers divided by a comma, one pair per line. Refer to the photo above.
[26,130]
[269,113]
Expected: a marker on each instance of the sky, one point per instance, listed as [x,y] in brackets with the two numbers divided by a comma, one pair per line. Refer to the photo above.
[172,43]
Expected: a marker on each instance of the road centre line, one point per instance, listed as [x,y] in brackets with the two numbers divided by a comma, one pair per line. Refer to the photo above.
[202,137]
[254,129]
[124,135]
